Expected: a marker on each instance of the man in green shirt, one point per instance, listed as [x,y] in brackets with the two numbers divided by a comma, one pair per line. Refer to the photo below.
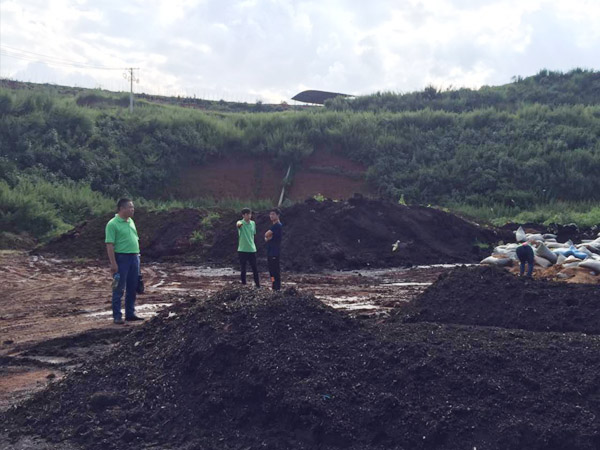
[123,248]
[246,246]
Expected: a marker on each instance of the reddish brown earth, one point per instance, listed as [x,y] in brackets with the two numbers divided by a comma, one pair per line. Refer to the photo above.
[243,177]
[233,176]
[329,175]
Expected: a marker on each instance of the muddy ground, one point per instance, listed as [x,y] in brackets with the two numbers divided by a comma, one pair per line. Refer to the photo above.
[354,234]
[246,369]
[55,313]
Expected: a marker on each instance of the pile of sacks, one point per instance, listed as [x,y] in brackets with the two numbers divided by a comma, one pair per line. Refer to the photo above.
[548,252]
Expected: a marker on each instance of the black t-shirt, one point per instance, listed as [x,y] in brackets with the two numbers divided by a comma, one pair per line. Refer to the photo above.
[525,253]
[274,244]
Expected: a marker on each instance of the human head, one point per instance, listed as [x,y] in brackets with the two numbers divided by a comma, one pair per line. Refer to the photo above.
[125,207]
[246,213]
[274,214]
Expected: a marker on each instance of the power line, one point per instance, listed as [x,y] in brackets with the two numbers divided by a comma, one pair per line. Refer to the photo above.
[38,57]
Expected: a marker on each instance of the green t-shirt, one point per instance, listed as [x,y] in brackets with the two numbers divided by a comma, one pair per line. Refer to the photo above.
[123,234]
[246,233]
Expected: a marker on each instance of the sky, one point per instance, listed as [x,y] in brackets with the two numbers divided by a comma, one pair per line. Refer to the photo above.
[269,50]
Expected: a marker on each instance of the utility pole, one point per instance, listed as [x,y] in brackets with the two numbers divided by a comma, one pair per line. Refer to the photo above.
[131,77]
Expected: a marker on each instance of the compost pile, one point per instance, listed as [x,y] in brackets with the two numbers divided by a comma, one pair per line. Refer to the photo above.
[249,370]
[361,233]
[162,234]
[487,295]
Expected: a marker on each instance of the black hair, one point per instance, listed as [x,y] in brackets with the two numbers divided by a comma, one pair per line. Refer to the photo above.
[122,202]
[276,211]
[246,211]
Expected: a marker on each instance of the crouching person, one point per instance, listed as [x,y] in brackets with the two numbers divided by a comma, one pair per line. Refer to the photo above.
[526,255]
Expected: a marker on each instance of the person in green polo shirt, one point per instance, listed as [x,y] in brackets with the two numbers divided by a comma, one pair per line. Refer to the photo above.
[246,246]
[123,248]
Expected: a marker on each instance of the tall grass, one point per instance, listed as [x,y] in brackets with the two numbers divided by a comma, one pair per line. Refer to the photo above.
[584,213]
[46,209]
[207,202]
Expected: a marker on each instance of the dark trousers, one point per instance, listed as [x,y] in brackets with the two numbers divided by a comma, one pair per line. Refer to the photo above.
[274,271]
[247,257]
[525,255]
[129,272]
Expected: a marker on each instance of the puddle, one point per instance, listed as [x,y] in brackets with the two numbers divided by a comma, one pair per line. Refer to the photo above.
[50,359]
[147,310]
[349,303]
[378,272]
[443,266]
[190,271]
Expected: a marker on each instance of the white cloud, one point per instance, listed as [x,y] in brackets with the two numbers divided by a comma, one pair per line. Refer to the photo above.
[271,49]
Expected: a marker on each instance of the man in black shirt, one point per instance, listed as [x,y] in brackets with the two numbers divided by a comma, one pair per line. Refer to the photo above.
[273,239]
[526,255]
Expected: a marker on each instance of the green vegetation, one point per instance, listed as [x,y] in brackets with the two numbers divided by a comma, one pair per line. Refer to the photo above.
[197,237]
[529,149]
[206,224]
[577,87]
[584,214]
[44,209]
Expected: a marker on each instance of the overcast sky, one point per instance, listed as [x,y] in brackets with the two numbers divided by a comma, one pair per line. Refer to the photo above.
[269,50]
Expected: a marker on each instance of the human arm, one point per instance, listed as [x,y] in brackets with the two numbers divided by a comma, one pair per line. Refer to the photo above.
[268,235]
[110,239]
[110,250]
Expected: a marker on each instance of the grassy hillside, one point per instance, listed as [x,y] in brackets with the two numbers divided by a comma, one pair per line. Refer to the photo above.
[493,152]
[577,87]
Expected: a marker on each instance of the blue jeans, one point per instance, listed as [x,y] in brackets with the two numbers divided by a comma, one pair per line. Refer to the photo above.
[129,271]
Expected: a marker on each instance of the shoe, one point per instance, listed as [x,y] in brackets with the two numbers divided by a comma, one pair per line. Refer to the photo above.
[133,318]
[119,321]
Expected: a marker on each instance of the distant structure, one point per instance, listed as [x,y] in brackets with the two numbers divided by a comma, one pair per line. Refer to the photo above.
[317,97]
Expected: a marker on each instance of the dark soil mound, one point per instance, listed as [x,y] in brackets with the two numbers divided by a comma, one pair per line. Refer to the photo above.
[162,234]
[12,241]
[251,370]
[360,233]
[490,296]
[355,234]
